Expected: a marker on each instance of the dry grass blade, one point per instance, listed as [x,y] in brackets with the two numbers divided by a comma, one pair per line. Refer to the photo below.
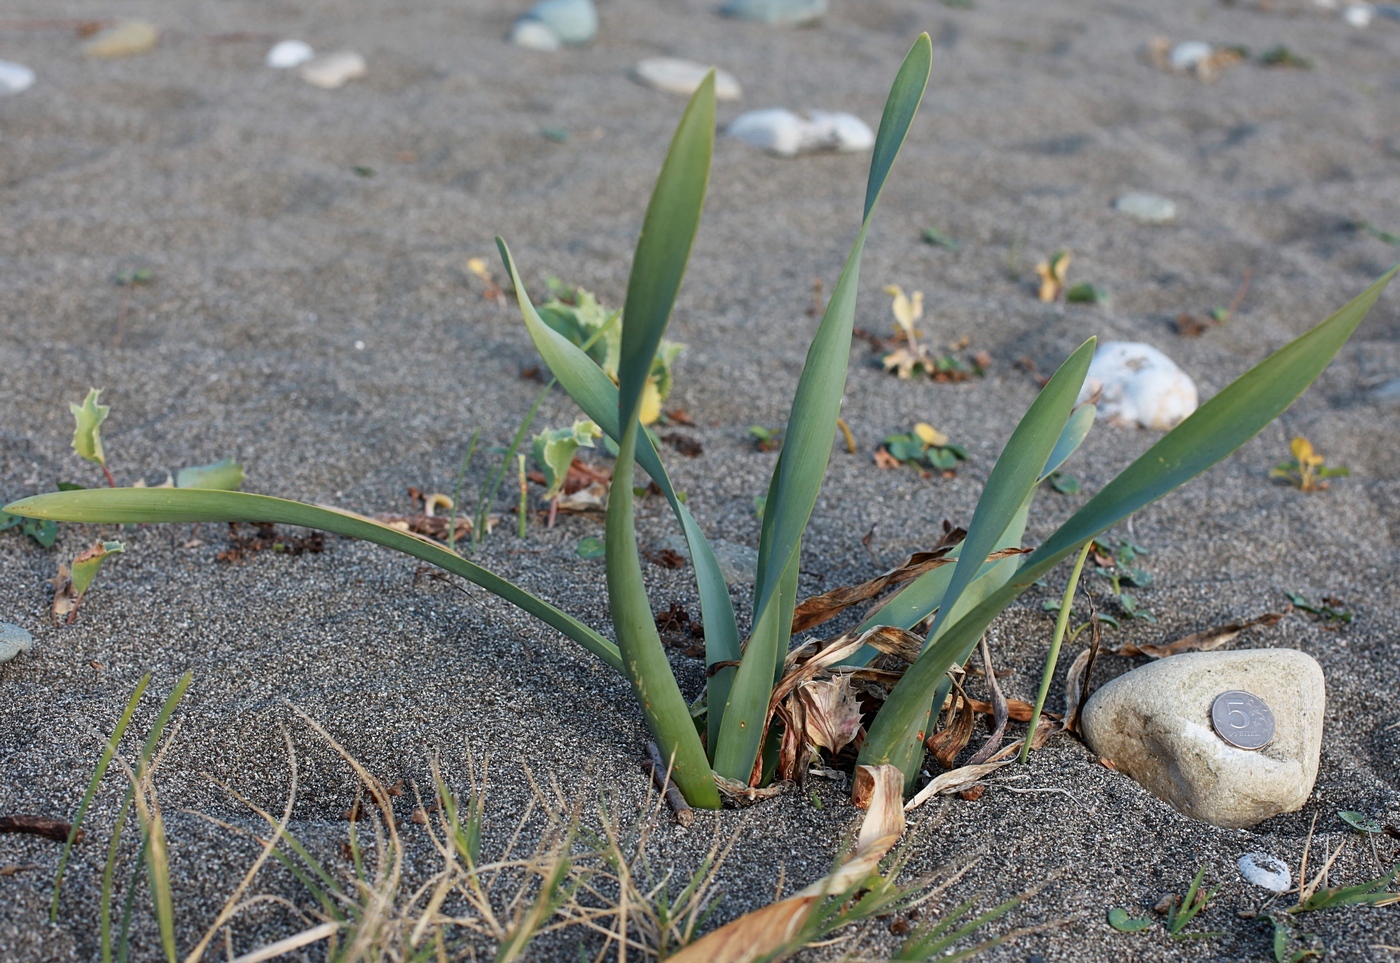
[958,780]
[1001,712]
[284,946]
[822,608]
[948,742]
[768,930]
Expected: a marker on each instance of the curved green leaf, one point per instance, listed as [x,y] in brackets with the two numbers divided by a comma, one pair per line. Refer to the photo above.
[155,505]
[594,392]
[797,476]
[1216,429]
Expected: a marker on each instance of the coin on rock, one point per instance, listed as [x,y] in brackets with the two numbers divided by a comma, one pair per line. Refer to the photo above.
[1242,719]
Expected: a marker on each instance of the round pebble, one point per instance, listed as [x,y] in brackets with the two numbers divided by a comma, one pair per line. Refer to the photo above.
[125,38]
[289,53]
[684,76]
[789,12]
[534,35]
[333,70]
[788,134]
[571,21]
[13,641]
[14,77]
[1359,15]
[1186,55]
[1268,872]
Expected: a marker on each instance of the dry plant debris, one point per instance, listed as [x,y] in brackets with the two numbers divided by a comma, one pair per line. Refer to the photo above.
[1307,470]
[69,586]
[266,539]
[906,356]
[56,829]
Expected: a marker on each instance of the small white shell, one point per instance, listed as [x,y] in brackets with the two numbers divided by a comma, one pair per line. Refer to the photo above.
[1133,383]
[1266,871]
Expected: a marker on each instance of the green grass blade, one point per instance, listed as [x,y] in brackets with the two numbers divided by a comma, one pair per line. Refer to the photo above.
[644,657]
[1216,429]
[493,483]
[816,404]
[93,783]
[129,900]
[1016,473]
[663,250]
[797,476]
[149,505]
[594,392]
[162,899]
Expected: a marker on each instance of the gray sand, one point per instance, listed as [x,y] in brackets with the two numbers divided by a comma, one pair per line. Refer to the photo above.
[272,258]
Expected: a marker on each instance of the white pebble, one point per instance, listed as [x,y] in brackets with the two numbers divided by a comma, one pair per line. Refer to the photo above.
[787,134]
[1147,208]
[1186,55]
[1133,383]
[289,53]
[14,77]
[1359,15]
[333,70]
[535,35]
[1266,871]
[684,76]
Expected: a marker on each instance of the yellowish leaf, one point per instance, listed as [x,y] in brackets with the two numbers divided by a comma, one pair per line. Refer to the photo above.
[87,437]
[907,309]
[930,436]
[1052,275]
[651,402]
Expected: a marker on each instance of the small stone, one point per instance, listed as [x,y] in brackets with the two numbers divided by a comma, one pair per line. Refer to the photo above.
[1147,208]
[1387,393]
[534,35]
[15,77]
[784,12]
[1359,15]
[1266,871]
[13,641]
[125,38]
[287,54]
[683,77]
[570,21]
[1185,56]
[787,134]
[1154,723]
[1134,383]
[333,70]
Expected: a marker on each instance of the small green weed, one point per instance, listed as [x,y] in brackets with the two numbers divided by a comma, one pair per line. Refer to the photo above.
[1306,470]
[923,447]
[1328,608]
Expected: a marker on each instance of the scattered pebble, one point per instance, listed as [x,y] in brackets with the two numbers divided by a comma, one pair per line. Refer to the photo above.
[333,70]
[1267,871]
[125,38]
[15,77]
[1387,393]
[1154,725]
[13,641]
[787,134]
[1134,383]
[1359,15]
[786,12]
[552,23]
[289,53]
[1185,56]
[684,76]
[1147,208]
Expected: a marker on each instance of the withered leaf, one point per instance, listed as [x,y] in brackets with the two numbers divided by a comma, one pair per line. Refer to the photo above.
[1000,710]
[689,447]
[821,608]
[883,459]
[831,713]
[1205,641]
[955,780]
[56,829]
[948,742]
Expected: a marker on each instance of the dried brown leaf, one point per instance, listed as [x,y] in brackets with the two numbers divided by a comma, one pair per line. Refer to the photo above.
[1205,641]
[56,829]
[1001,712]
[952,739]
[955,780]
[883,459]
[831,713]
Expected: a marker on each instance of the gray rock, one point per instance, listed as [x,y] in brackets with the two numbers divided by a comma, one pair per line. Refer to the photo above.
[1268,872]
[1147,208]
[788,12]
[737,562]
[1154,725]
[1387,393]
[13,641]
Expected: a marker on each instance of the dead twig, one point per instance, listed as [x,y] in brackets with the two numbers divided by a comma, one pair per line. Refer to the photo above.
[661,775]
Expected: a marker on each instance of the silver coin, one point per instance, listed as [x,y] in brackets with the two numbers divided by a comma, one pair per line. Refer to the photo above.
[1242,719]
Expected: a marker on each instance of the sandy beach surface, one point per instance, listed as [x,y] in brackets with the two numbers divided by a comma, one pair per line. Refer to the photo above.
[321,326]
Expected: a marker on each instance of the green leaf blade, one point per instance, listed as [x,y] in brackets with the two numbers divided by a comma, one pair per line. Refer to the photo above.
[162,505]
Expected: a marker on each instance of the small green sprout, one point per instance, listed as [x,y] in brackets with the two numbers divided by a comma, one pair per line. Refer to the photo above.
[1286,934]
[1360,823]
[1370,893]
[924,447]
[43,531]
[554,452]
[766,439]
[1306,470]
[591,547]
[225,475]
[72,585]
[1116,562]
[1064,483]
[87,436]
[1086,293]
[1281,56]
[937,238]
[361,170]
[1120,920]
[1328,608]
[1184,912]
[131,279]
[1377,233]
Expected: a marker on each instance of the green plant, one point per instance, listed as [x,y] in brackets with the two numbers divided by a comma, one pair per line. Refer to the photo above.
[971,584]
[1307,470]
[1117,561]
[925,446]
